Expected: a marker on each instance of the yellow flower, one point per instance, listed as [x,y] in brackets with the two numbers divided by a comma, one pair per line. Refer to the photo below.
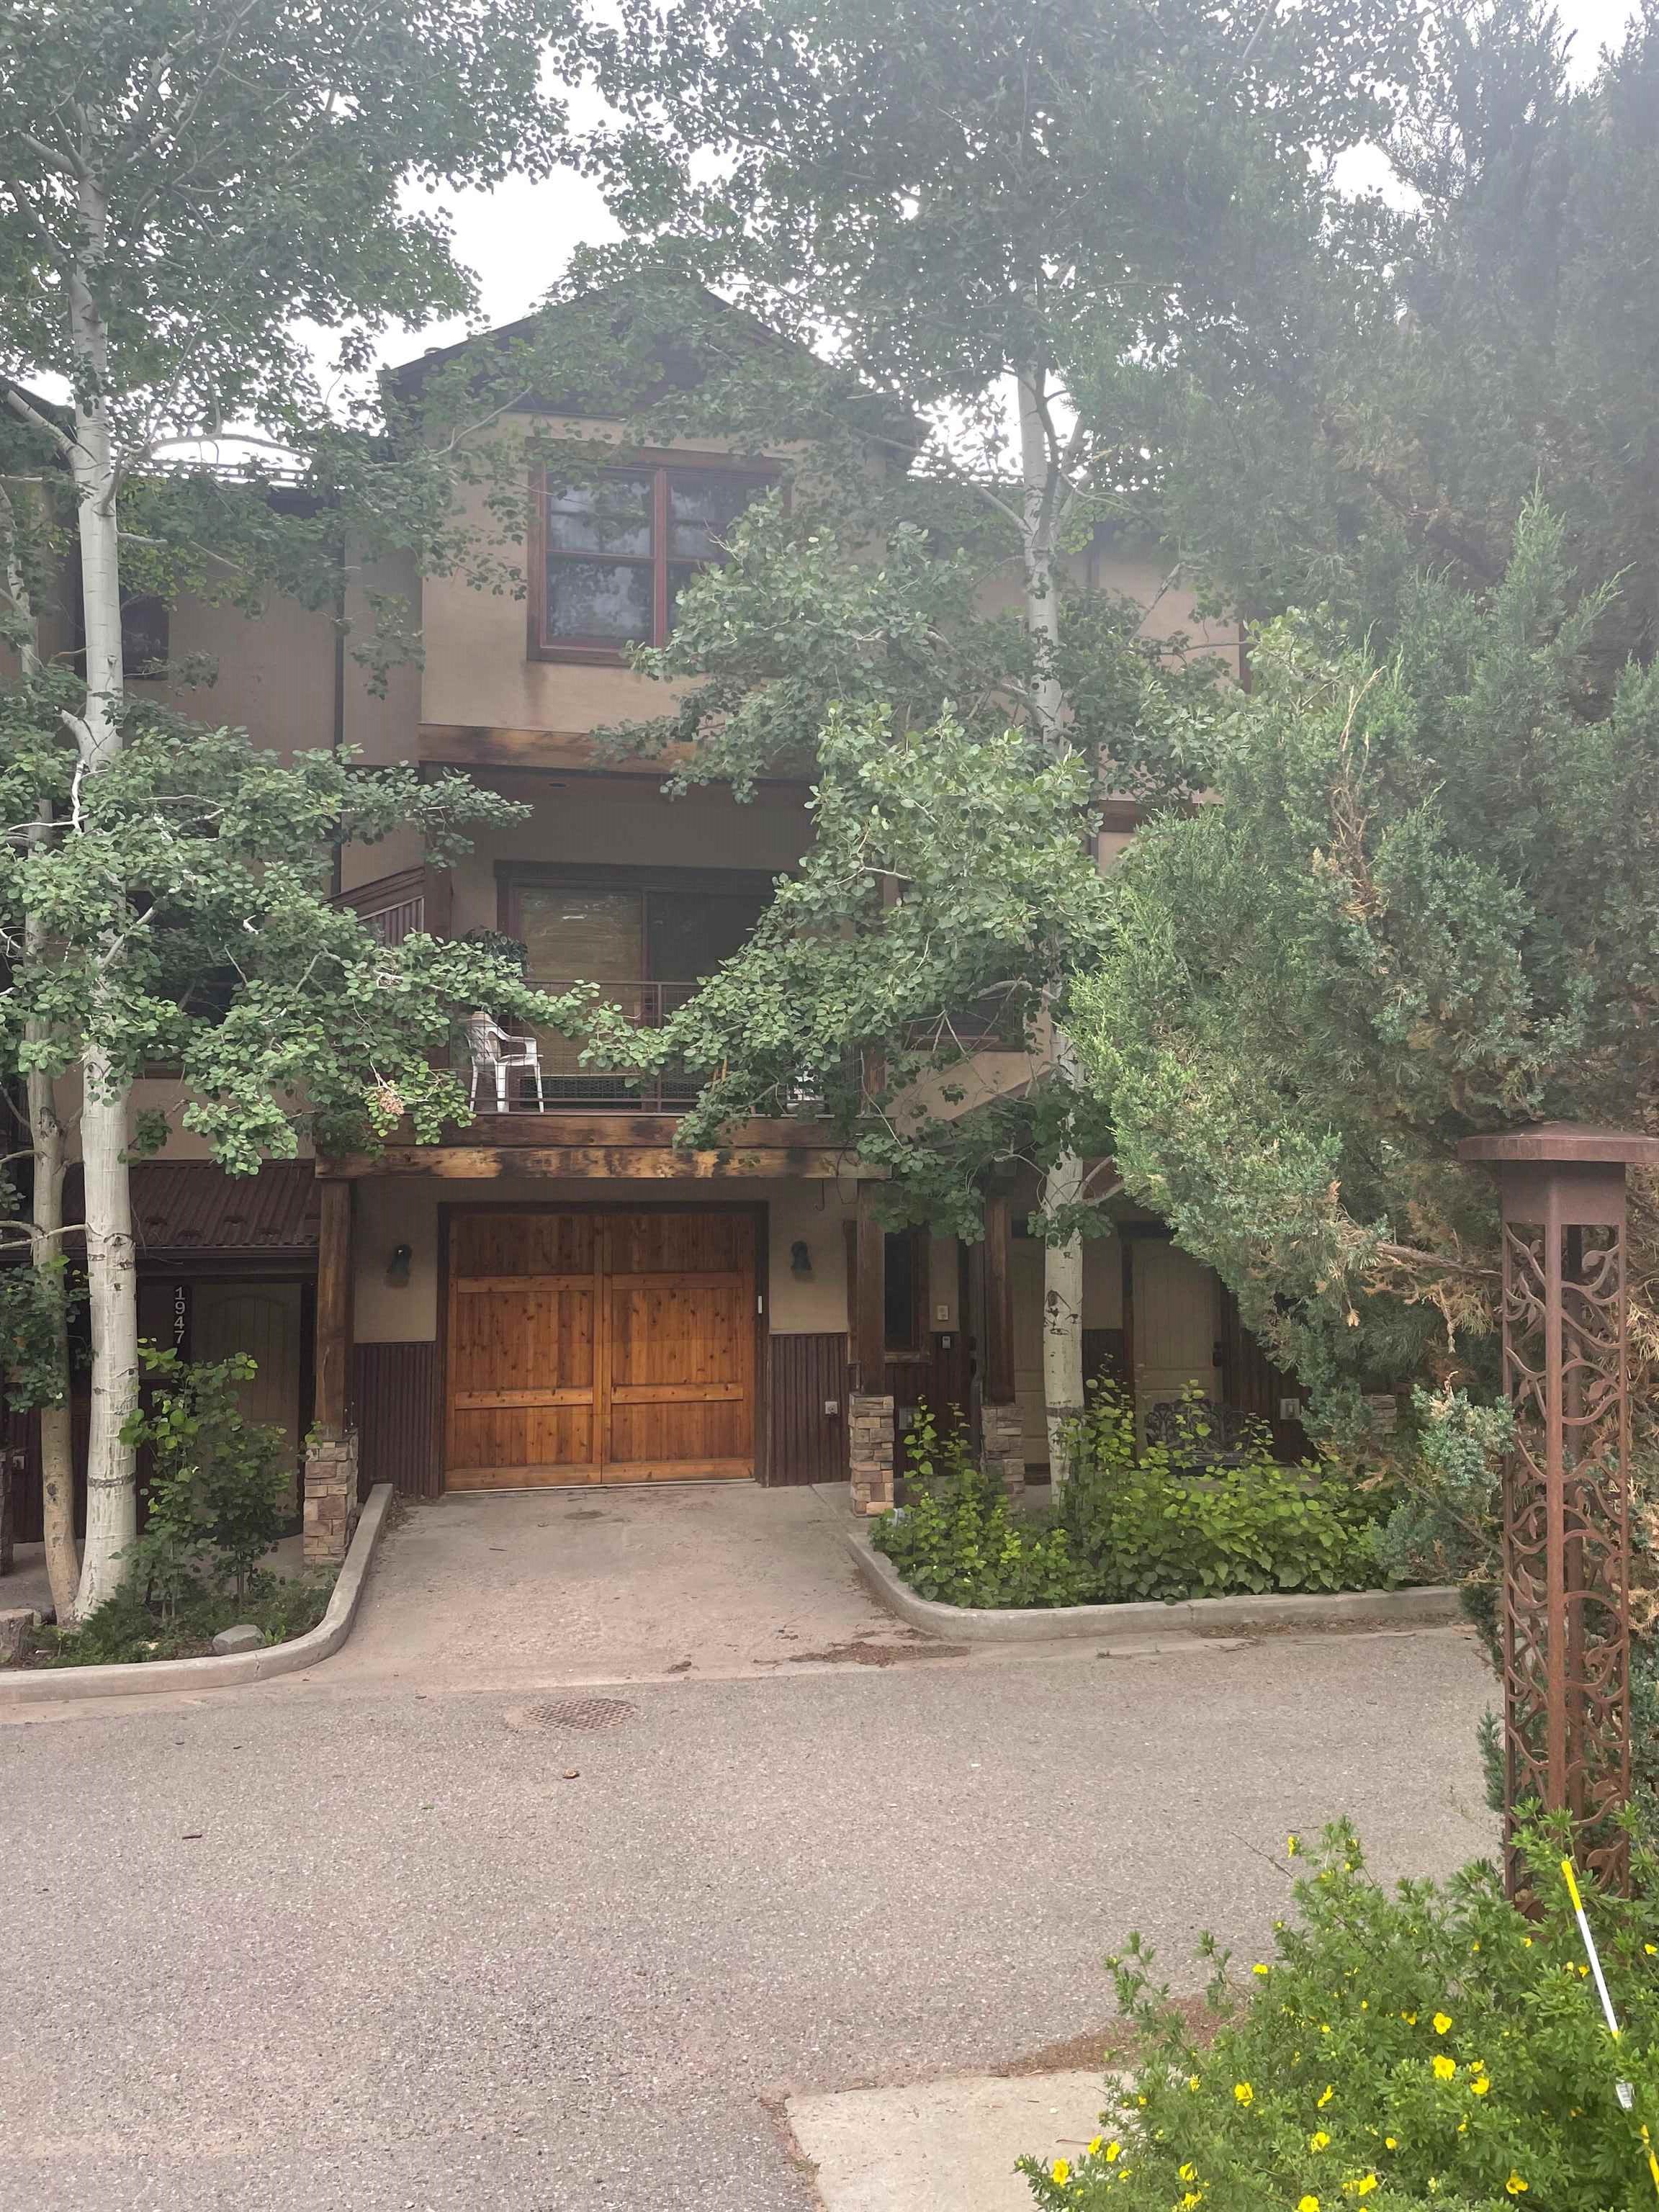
[1480,2085]
[1061,2170]
[1113,2151]
[1318,2140]
[1526,1940]
[1191,2081]
[1308,2204]
[1094,2142]
[1259,1969]
[1186,2172]
[1390,2142]
[1652,1950]
[1410,2019]
[1192,2196]
[1242,2091]
[1515,2185]
[1441,2023]
[1293,1844]
[1445,2068]
[1362,2187]
[1325,2096]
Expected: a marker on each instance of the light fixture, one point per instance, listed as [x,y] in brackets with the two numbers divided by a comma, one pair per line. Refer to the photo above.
[800,1258]
[397,1267]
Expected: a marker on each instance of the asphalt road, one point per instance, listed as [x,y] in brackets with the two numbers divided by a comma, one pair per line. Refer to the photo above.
[341,1950]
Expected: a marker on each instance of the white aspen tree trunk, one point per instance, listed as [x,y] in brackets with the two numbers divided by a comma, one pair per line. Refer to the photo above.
[46,1244]
[112,1282]
[1063,1186]
[46,1204]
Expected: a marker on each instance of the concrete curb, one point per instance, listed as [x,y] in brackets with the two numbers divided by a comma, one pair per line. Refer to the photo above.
[961,1624]
[45,1685]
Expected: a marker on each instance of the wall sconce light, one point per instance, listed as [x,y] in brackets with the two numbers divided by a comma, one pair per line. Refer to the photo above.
[800,1258]
[397,1267]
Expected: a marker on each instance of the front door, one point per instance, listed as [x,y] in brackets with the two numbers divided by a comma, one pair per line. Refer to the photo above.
[599,1347]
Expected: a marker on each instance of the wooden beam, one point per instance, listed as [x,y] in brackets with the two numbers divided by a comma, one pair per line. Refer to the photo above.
[999,1385]
[587,1163]
[867,1321]
[540,1130]
[334,1266]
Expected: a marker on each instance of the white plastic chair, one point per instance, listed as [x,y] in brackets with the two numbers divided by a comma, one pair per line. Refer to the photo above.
[493,1047]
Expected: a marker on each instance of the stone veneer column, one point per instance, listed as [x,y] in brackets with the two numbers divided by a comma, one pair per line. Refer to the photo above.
[329,1514]
[1003,1447]
[870,1452]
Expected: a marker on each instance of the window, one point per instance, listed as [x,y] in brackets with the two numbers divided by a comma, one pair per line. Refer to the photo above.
[617,553]
[145,636]
[617,931]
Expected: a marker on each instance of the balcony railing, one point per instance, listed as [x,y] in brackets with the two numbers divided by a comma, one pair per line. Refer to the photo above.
[567,1086]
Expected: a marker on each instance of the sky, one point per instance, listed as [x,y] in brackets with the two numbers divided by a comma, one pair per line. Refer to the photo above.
[519,237]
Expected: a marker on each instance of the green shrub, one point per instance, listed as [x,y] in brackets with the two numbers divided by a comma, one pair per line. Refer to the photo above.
[1145,1527]
[1129,1523]
[218,1485]
[1424,2047]
[126,1630]
[957,1540]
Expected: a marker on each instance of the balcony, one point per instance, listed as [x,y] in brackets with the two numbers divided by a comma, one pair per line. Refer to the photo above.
[566,1086]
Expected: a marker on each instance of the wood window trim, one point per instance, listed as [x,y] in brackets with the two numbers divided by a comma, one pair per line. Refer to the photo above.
[630,460]
[597,875]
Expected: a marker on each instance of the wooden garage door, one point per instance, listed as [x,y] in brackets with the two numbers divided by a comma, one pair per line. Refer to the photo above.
[589,1347]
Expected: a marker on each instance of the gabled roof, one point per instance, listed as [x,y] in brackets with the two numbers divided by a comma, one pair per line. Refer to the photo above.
[685,367]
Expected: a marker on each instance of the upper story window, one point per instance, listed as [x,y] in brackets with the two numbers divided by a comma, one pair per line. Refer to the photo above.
[615,554]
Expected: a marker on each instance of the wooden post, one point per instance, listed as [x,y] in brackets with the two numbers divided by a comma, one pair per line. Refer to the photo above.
[329,1513]
[999,1306]
[869,1301]
[1002,1441]
[869,1405]
[334,1265]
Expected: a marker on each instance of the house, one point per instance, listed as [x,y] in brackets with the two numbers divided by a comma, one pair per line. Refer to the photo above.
[555,1293]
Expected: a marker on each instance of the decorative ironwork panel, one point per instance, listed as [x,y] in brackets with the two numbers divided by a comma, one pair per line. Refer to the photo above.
[1566,1534]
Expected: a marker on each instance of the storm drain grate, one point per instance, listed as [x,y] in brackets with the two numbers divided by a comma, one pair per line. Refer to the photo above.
[587,1715]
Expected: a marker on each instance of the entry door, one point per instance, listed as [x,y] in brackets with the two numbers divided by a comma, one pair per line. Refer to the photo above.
[587,1347]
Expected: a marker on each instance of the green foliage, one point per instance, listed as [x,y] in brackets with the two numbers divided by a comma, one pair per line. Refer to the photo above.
[1160,1522]
[34,1302]
[1403,388]
[1426,2046]
[1130,1523]
[219,1485]
[956,1540]
[1423,908]
[872,1004]
[125,1630]
[204,860]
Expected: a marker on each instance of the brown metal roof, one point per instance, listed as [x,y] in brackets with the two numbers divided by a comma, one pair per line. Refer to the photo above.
[187,1205]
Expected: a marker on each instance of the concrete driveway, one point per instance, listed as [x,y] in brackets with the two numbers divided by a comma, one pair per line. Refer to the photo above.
[392,1938]
[649,1582]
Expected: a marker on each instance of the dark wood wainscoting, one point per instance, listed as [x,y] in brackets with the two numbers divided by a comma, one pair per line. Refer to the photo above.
[395,1391]
[807,1444]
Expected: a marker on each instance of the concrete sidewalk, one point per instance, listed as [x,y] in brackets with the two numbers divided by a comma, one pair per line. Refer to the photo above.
[653,1583]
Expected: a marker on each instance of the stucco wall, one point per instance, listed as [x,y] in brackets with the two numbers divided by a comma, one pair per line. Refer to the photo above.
[405,1210]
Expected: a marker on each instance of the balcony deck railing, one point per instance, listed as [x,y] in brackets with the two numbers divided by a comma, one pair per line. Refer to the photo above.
[567,1086]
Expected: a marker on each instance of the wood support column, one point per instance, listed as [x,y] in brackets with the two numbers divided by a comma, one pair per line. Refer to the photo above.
[868,1299]
[1001,1444]
[998,1383]
[328,1513]
[334,1269]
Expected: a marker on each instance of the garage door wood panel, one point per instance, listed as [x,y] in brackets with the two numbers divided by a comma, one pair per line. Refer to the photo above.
[600,1347]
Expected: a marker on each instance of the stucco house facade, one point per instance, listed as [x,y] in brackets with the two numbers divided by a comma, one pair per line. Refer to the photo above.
[555,1294]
